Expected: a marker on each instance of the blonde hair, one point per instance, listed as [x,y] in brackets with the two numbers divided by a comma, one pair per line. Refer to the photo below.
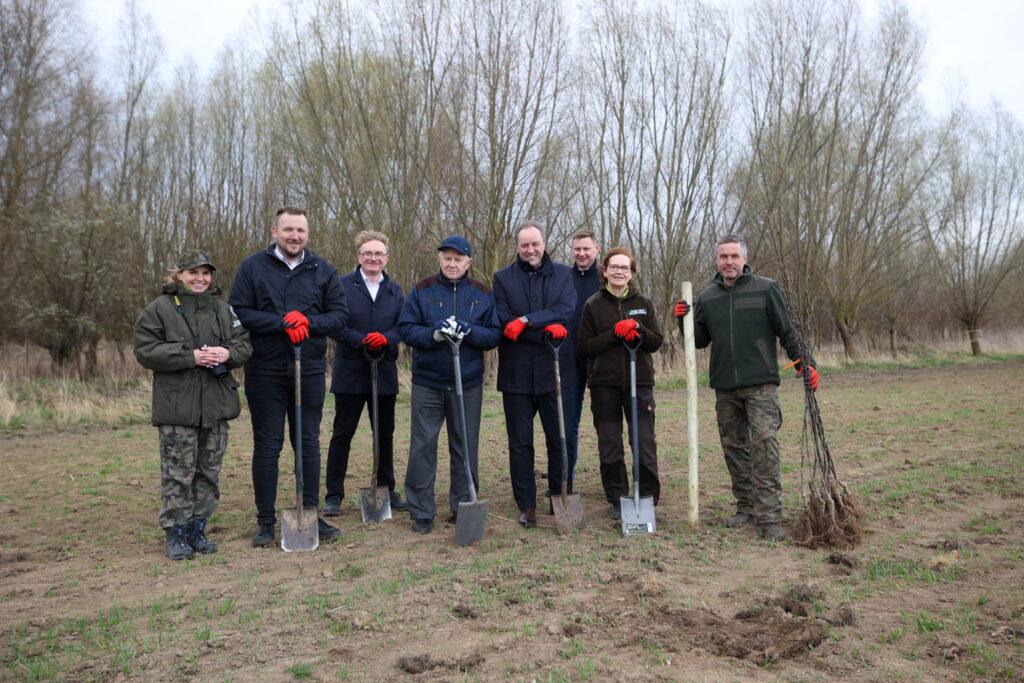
[369,236]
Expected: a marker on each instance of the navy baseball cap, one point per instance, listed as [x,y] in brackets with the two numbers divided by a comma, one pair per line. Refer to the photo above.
[458,243]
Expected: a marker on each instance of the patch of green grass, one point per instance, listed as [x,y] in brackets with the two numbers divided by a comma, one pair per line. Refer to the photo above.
[573,648]
[926,623]
[301,670]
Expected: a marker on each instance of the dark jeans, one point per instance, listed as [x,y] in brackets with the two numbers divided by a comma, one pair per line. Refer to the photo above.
[608,405]
[271,398]
[520,410]
[348,408]
[573,413]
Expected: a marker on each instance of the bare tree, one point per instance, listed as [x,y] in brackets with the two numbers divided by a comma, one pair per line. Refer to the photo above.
[978,237]
[502,108]
[839,150]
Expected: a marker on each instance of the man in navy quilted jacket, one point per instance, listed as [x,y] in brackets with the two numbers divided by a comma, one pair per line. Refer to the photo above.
[426,315]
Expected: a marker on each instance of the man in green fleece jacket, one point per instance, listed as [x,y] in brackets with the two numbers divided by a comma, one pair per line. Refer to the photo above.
[741,315]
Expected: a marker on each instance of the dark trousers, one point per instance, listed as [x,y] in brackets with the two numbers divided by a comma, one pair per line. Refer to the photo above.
[348,408]
[271,398]
[520,410]
[573,413]
[608,405]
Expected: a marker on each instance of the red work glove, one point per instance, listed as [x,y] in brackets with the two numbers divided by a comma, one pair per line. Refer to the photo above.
[297,334]
[624,327]
[514,329]
[557,331]
[295,319]
[375,340]
[682,308]
[810,377]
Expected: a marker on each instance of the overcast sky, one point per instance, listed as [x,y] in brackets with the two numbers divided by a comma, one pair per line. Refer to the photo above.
[973,45]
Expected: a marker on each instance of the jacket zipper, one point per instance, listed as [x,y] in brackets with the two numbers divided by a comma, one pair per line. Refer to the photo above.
[732,337]
[455,309]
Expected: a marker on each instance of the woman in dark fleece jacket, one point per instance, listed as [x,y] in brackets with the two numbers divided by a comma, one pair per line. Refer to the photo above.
[618,313]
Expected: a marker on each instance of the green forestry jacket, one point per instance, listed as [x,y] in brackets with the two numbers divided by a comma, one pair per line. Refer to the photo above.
[184,393]
[742,324]
[607,357]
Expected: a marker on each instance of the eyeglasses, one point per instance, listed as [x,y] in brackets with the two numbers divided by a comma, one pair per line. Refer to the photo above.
[615,268]
[377,255]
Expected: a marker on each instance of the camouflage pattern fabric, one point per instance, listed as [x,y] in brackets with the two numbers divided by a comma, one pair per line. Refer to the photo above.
[748,423]
[190,461]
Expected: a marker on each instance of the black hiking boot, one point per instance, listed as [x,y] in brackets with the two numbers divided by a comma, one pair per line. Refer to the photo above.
[615,512]
[326,531]
[332,507]
[195,534]
[739,519]
[422,526]
[396,501]
[773,532]
[177,548]
[264,535]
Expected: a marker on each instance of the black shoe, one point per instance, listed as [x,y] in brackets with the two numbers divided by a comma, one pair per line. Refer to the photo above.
[264,535]
[739,519]
[396,501]
[195,534]
[326,531]
[615,512]
[528,518]
[454,517]
[773,532]
[422,526]
[332,507]
[176,547]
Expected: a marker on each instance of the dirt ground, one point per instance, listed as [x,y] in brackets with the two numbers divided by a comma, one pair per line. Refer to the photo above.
[934,592]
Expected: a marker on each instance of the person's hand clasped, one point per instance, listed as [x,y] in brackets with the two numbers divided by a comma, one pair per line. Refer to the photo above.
[296,326]
[209,356]
[557,331]
[515,328]
[682,308]
[297,334]
[375,340]
[295,319]
[626,329]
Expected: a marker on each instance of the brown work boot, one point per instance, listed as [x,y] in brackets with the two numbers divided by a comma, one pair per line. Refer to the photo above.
[773,532]
[528,518]
[739,519]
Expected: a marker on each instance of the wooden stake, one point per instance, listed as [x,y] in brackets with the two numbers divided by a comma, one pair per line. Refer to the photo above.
[690,356]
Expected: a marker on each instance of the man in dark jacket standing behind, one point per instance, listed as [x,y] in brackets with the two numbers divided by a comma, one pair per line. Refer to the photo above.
[374,304]
[286,295]
[741,315]
[586,279]
[533,295]
[426,319]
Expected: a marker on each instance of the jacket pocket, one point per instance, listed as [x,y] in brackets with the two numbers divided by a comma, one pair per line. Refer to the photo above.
[766,355]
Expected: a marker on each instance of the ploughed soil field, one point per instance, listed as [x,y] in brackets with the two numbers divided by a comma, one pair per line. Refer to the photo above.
[935,591]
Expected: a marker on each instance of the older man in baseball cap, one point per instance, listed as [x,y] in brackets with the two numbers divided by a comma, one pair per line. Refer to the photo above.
[449,301]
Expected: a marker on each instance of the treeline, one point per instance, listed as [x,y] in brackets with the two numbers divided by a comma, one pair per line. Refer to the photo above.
[660,125]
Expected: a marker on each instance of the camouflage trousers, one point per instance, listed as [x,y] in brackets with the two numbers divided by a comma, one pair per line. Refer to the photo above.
[748,423]
[190,460]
